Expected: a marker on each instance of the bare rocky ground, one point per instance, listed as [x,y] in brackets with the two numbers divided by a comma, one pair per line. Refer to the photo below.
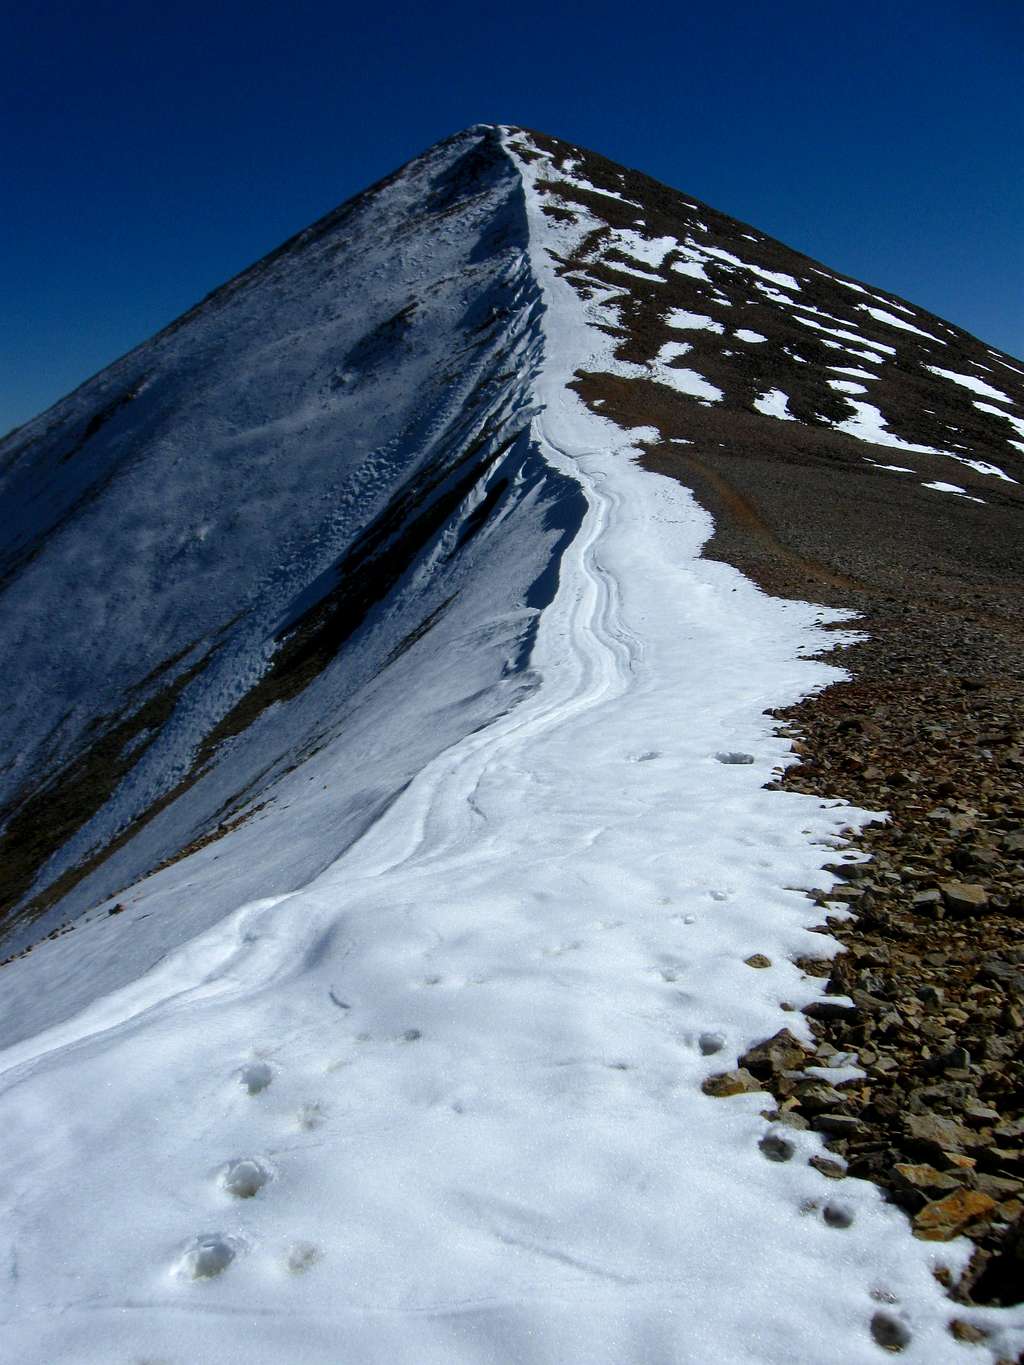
[930,729]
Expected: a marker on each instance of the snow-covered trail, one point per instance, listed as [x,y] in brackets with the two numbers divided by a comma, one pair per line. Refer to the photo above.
[459,1073]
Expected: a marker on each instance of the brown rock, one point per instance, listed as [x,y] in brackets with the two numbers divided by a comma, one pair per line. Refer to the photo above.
[981,1113]
[964,898]
[925,1177]
[944,1135]
[838,1125]
[832,1170]
[832,1009]
[946,1218]
[758,960]
[782,1052]
[1000,1187]
[817,1095]
[725,1083]
[967,1332]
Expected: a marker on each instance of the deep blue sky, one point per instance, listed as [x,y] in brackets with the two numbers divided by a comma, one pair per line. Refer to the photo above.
[149,151]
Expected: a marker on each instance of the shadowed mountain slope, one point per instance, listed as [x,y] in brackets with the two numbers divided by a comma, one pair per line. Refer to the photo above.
[215,547]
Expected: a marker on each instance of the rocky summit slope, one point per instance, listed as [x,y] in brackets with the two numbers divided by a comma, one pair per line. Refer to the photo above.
[858,451]
[376,627]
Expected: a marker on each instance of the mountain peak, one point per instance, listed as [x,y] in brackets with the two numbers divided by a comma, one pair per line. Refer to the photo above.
[461,671]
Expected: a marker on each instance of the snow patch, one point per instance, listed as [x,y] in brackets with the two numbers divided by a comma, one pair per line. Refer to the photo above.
[940,487]
[774,403]
[880,315]
[772,276]
[694,269]
[1016,422]
[868,424]
[679,317]
[849,336]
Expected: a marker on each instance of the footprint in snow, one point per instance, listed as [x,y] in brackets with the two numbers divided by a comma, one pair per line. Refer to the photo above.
[254,1077]
[838,1215]
[310,1116]
[208,1255]
[302,1256]
[774,1147]
[556,950]
[245,1177]
[734,756]
[710,1043]
[889,1332]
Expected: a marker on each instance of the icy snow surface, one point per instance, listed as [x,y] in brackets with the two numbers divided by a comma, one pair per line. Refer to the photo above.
[442,1104]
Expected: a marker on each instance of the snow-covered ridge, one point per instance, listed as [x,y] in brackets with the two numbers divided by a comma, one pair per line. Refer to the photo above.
[214,617]
[440,1101]
[262,522]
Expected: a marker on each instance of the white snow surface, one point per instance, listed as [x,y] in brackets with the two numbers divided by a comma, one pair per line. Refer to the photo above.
[851,370]
[868,424]
[1016,422]
[849,336]
[687,321]
[631,270]
[972,382]
[744,334]
[941,487]
[896,468]
[981,467]
[695,269]
[647,250]
[880,315]
[772,276]
[441,1103]
[774,403]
